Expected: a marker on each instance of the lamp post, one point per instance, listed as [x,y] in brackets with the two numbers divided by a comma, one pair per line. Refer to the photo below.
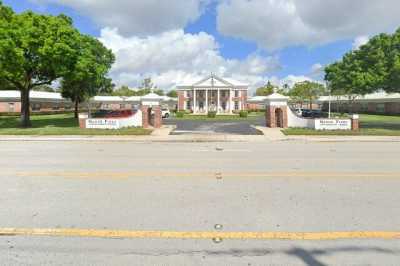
[329,100]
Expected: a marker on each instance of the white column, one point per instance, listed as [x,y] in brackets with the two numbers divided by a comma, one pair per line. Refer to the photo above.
[194,101]
[230,101]
[207,101]
[218,101]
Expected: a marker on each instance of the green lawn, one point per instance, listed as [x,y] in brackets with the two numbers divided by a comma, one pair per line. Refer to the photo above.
[60,124]
[371,125]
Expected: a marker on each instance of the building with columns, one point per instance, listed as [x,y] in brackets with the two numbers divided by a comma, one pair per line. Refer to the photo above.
[224,96]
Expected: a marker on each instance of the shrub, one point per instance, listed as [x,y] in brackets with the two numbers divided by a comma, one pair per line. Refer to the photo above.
[212,114]
[180,114]
[243,114]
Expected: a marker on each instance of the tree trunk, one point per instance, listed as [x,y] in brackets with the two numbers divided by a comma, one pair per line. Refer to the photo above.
[76,109]
[25,108]
[311,104]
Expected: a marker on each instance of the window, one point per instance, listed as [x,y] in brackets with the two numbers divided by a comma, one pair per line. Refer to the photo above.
[188,105]
[201,105]
[236,93]
[380,108]
[11,107]
[222,93]
[364,107]
[236,105]
[36,107]
[55,107]
[122,106]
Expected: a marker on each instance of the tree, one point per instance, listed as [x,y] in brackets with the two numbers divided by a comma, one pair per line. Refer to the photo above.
[392,49]
[307,91]
[375,66]
[172,94]
[88,76]
[159,92]
[147,84]
[124,91]
[266,90]
[361,71]
[35,50]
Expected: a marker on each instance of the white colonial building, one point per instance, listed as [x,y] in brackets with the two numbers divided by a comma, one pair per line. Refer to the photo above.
[223,96]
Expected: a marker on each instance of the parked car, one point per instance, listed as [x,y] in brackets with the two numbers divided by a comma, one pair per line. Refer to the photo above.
[165,113]
[311,113]
[299,112]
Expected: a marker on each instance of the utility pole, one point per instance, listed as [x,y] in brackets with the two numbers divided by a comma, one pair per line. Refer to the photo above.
[329,100]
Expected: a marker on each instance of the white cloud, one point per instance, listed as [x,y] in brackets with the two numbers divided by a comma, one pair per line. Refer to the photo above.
[137,17]
[360,41]
[275,24]
[175,57]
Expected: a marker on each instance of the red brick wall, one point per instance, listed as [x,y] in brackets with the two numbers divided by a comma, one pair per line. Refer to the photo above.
[244,99]
[392,108]
[5,107]
[271,118]
[355,124]
[145,116]
[181,100]
[372,107]
[157,123]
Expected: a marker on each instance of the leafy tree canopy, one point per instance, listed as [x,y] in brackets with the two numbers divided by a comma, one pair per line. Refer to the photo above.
[35,50]
[307,91]
[375,66]
[88,76]
[266,90]
[172,94]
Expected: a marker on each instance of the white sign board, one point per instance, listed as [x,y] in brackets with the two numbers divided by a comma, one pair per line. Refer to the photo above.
[150,103]
[102,123]
[332,124]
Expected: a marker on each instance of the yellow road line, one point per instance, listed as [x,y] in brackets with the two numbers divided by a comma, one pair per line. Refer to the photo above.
[125,175]
[197,235]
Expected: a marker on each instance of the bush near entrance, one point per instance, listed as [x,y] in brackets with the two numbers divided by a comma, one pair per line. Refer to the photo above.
[212,114]
[243,114]
[180,114]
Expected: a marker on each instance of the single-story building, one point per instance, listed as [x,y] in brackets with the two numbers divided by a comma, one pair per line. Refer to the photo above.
[121,102]
[10,102]
[221,95]
[375,103]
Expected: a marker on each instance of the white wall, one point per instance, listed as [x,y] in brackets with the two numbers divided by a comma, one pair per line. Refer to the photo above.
[295,121]
[116,123]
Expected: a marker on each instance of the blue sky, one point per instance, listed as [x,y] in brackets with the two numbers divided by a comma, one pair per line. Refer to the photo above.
[255,40]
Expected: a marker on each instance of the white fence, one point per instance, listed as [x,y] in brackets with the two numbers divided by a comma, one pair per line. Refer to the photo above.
[115,123]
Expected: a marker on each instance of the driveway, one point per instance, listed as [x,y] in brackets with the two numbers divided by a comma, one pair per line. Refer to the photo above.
[228,126]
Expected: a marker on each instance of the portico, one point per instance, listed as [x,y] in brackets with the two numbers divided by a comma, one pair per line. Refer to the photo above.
[213,94]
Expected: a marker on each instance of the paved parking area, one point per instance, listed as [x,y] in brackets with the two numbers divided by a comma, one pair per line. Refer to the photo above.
[228,126]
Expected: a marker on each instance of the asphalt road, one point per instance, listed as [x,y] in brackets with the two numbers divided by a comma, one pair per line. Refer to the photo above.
[176,187]
[234,127]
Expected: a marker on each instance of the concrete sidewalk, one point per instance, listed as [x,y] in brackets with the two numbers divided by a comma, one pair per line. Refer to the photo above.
[202,138]
[163,135]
